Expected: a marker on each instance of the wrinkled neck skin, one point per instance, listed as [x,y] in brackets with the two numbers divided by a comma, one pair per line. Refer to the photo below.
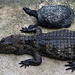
[17,44]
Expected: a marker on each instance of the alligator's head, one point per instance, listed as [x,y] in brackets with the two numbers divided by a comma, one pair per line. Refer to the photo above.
[11,44]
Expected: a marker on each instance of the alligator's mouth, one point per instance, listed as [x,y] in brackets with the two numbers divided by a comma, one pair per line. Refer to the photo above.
[6,47]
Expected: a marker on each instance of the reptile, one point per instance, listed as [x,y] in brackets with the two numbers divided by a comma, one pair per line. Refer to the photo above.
[52,16]
[58,44]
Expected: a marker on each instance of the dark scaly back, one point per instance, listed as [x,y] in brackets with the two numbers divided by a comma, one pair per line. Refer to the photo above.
[58,44]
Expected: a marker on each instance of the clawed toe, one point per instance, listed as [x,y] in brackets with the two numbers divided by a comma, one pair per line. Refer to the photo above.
[24,63]
[71,66]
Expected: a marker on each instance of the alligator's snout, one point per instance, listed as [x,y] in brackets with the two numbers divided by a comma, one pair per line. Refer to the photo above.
[6,46]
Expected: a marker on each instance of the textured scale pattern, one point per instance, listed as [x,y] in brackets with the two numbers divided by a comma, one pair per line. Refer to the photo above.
[59,44]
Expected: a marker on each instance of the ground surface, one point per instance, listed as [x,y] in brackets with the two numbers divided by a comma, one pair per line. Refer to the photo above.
[12,18]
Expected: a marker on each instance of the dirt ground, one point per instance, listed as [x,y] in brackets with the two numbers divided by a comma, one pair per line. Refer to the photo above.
[12,18]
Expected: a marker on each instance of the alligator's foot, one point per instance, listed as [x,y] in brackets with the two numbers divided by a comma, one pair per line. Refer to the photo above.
[24,63]
[71,66]
[33,62]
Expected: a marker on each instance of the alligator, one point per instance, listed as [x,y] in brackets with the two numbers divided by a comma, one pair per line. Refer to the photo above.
[58,44]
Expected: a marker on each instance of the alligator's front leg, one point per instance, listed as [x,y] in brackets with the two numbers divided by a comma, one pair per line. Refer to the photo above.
[33,62]
[72,66]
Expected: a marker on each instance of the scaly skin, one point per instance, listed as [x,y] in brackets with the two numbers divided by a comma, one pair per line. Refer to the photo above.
[56,44]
